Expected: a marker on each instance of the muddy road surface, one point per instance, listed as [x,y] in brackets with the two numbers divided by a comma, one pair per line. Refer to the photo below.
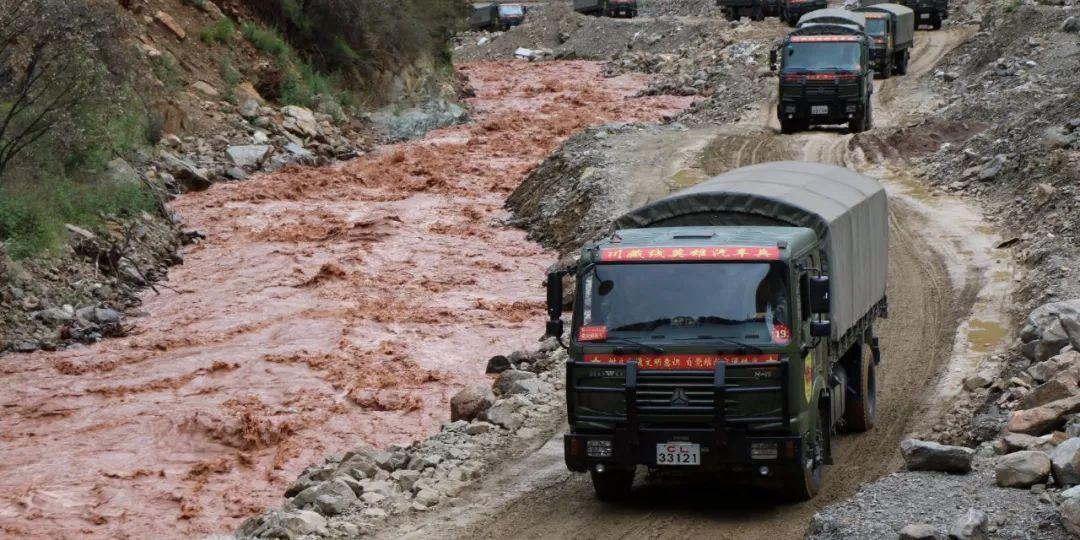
[327,307]
[944,280]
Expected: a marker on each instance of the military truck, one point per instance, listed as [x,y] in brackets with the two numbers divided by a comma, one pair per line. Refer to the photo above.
[608,8]
[930,12]
[757,10]
[791,11]
[728,328]
[496,16]
[825,72]
[891,29]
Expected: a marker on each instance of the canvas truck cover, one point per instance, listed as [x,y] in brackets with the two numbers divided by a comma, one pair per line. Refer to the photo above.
[833,16]
[848,211]
[903,22]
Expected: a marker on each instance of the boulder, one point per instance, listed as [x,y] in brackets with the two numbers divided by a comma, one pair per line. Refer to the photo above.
[405,478]
[120,172]
[971,525]
[498,364]
[1063,385]
[932,456]
[334,497]
[919,531]
[508,379]
[285,524]
[478,428]
[1044,418]
[1070,516]
[1050,328]
[303,120]
[248,155]
[170,23]
[249,109]
[1071,25]
[246,91]
[1066,462]
[192,178]
[427,497]
[1016,442]
[470,403]
[205,89]
[504,413]
[1022,469]
[361,459]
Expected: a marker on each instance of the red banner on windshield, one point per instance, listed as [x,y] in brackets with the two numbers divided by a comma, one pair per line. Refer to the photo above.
[681,361]
[727,253]
[818,39]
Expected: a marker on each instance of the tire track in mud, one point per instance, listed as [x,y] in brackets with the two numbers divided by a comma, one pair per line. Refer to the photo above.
[931,289]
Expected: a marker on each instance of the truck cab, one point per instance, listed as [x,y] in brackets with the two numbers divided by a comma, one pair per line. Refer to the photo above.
[931,12]
[891,29]
[791,11]
[704,337]
[825,72]
[511,15]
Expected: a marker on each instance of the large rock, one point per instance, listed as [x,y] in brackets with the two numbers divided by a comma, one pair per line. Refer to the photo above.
[192,177]
[971,525]
[470,403]
[248,155]
[507,380]
[505,413]
[1072,26]
[169,22]
[302,120]
[1063,385]
[498,364]
[1070,516]
[1042,419]
[120,172]
[1022,469]
[1050,328]
[919,531]
[932,456]
[284,524]
[1066,462]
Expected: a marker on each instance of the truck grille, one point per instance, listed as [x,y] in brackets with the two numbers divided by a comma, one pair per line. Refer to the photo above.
[820,90]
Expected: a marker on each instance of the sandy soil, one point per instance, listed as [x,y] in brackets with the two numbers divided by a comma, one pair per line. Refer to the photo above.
[327,307]
[941,263]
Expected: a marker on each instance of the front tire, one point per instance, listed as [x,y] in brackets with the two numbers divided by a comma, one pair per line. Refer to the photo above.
[901,69]
[935,21]
[613,484]
[861,411]
[788,127]
[862,123]
[802,483]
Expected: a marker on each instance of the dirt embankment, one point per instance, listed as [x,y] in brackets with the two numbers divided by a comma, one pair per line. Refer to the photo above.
[326,307]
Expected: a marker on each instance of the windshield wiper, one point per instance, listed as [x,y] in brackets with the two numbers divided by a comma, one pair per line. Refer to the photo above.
[640,326]
[653,348]
[752,348]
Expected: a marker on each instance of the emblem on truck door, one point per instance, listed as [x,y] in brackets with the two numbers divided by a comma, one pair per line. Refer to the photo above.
[679,398]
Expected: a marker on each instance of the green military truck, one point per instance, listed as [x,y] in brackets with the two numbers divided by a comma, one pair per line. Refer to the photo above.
[791,11]
[825,72]
[891,29]
[728,328]
[495,16]
[607,8]
[931,12]
[757,10]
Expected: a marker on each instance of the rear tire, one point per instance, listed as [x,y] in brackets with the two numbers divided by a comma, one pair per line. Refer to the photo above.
[788,127]
[902,68]
[864,122]
[861,411]
[887,71]
[802,483]
[935,21]
[613,484]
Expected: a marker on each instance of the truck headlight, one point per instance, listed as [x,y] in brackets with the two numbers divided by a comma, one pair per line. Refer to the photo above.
[598,449]
[764,450]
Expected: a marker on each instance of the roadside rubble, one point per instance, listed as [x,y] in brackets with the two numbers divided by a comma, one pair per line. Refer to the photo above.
[358,492]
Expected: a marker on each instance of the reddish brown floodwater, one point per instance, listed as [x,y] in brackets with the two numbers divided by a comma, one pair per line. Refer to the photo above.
[327,307]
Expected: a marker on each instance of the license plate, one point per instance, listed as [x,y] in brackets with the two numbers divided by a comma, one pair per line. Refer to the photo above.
[924,15]
[819,109]
[678,454]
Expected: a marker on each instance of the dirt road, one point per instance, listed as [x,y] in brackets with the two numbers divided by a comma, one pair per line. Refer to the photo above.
[327,307]
[941,277]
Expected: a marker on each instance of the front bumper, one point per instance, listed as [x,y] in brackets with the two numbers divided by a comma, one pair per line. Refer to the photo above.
[837,111]
[730,453]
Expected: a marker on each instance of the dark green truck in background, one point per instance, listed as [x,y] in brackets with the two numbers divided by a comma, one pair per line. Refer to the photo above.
[495,16]
[931,12]
[891,29]
[826,76]
[607,8]
[728,329]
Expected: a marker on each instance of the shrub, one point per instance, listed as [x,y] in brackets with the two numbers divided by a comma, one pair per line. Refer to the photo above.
[219,32]
[265,40]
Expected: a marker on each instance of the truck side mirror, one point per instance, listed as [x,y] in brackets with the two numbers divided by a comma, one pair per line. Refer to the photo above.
[772,60]
[554,305]
[820,328]
[819,295]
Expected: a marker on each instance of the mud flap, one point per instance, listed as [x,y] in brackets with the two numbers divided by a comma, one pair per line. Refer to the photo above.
[824,412]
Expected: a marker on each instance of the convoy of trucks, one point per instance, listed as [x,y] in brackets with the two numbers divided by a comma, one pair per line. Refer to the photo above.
[494,16]
[891,29]
[825,72]
[607,8]
[728,328]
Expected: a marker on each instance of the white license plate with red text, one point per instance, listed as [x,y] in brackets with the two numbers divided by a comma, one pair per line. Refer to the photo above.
[678,454]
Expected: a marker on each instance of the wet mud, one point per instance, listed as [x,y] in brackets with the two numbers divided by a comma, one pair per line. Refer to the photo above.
[327,307]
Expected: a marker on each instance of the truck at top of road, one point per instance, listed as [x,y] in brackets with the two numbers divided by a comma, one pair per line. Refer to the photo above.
[891,29]
[757,10]
[728,328]
[931,12]
[496,16]
[790,11]
[825,72]
[607,8]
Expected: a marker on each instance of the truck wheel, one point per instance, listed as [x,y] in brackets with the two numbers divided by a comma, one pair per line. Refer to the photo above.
[758,13]
[886,70]
[862,123]
[861,411]
[935,21]
[802,483]
[788,127]
[612,484]
[901,67]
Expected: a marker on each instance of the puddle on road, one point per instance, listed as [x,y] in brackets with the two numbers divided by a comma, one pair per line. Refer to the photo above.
[686,178]
[984,336]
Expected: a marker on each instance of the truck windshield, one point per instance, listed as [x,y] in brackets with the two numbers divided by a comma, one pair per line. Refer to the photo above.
[511,11]
[875,27]
[747,302]
[822,56]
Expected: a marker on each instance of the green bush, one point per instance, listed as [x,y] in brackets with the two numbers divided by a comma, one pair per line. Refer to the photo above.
[265,40]
[219,32]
